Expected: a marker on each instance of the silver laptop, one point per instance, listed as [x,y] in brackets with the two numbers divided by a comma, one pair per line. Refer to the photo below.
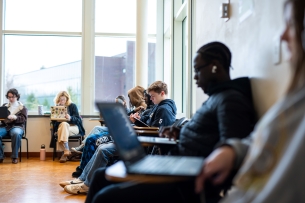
[132,153]
[157,140]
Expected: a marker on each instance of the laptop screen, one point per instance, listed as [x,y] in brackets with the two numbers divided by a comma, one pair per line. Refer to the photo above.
[3,112]
[122,132]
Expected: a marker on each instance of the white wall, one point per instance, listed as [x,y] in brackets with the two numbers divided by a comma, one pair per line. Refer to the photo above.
[38,133]
[251,44]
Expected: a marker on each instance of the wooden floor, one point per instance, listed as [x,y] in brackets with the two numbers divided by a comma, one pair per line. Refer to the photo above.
[32,181]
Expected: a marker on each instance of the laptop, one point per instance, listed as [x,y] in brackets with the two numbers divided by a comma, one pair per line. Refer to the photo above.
[3,112]
[141,123]
[157,140]
[58,113]
[132,153]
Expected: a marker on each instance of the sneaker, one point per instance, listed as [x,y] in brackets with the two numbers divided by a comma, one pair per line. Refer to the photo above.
[70,182]
[78,149]
[77,189]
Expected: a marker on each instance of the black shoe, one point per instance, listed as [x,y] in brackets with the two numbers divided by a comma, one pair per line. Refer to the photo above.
[77,173]
[1,160]
[79,169]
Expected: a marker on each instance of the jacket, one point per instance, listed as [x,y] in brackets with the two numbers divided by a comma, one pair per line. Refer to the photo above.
[227,113]
[22,116]
[274,168]
[163,114]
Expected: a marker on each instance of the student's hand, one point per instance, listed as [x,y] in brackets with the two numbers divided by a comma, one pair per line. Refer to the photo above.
[68,117]
[131,118]
[136,115]
[216,168]
[12,117]
[170,132]
[139,108]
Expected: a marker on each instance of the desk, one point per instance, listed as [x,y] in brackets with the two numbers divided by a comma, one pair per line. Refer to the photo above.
[102,122]
[117,173]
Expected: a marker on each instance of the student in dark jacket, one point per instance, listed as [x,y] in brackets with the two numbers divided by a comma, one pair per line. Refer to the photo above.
[163,113]
[14,125]
[227,113]
[73,126]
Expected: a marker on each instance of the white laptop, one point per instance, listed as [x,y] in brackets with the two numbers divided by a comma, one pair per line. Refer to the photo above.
[132,153]
[58,113]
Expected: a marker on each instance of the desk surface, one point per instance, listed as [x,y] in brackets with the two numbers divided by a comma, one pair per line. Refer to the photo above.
[96,119]
[117,173]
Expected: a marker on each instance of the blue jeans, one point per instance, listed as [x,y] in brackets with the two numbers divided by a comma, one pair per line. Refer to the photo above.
[16,135]
[100,159]
[96,130]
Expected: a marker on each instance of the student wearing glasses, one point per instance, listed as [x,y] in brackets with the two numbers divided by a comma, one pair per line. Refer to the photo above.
[227,113]
[14,125]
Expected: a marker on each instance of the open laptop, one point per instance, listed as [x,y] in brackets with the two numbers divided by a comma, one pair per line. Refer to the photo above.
[59,113]
[132,153]
[3,112]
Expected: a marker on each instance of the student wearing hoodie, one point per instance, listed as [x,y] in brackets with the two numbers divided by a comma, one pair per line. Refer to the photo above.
[227,113]
[162,114]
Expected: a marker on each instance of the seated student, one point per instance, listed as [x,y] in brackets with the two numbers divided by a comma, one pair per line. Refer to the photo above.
[73,126]
[14,124]
[163,113]
[227,113]
[136,97]
[271,164]
[98,129]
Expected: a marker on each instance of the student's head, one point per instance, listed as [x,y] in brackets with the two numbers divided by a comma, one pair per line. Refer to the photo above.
[293,35]
[136,97]
[12,95]
[63,99]
[212,64]
[121,99]
[157,91]
[147,98]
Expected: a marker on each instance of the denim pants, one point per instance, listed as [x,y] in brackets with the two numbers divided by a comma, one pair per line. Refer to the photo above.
[96,130]
[100,159]
[90,147]
[16,135]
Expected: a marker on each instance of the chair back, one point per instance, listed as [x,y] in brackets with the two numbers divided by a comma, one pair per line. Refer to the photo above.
[180,122]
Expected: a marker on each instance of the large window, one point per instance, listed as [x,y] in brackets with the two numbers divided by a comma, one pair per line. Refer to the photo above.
[45,49]
[115,47]
[42,51]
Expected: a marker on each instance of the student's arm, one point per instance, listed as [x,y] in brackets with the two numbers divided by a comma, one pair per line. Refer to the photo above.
[74,115]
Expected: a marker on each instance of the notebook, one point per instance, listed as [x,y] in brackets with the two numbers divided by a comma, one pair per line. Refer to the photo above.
[58,113]
[132,153]
[3,112]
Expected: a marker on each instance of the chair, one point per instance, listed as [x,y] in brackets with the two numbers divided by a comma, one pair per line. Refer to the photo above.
[73,138]
[7,138]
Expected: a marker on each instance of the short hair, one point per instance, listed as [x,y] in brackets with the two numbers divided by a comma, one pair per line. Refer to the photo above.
[14,92]
[216,51]
[158,87]
[61,94]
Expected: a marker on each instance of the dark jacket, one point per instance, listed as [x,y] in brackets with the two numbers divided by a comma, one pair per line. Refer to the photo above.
[163,114]
[22,116]
[75,119]
[227,113]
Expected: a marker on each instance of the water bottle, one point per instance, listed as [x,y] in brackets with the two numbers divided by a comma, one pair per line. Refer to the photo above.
[42,153]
